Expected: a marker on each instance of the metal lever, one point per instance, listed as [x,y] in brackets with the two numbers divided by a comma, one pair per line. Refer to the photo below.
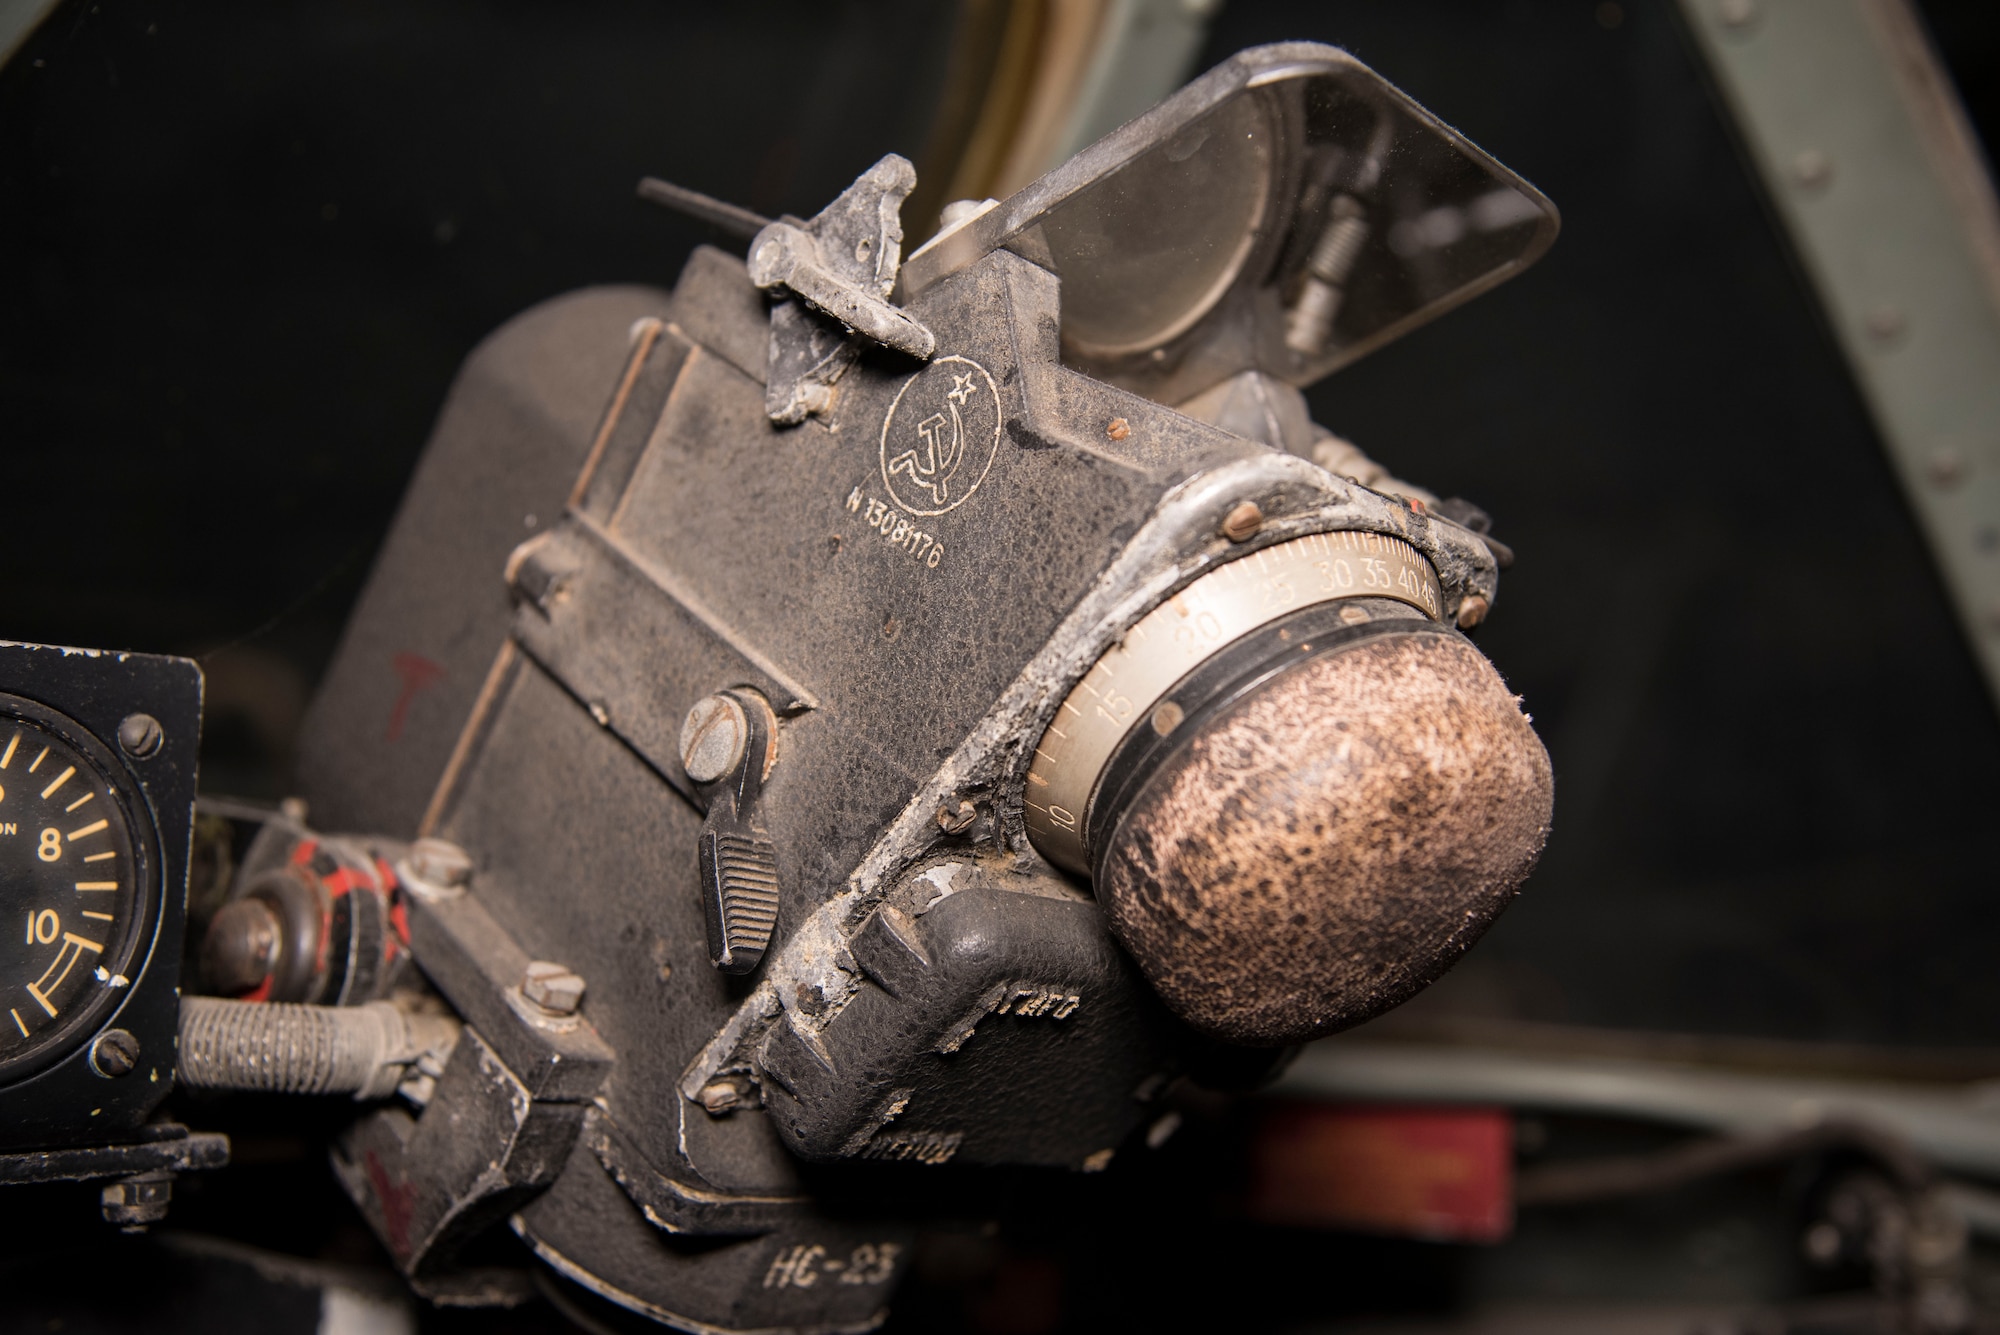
[726,749]
[841,264]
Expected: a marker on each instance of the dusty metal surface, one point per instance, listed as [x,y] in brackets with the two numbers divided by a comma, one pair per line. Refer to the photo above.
[776,676]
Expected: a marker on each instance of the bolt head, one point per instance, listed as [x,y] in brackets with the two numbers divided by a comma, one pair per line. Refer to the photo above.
[439,862]
[1118,429]
[714,736]
[718,1097]
[114,1053]
[1244,522]
[553,987]
[138,1201]
[1472,611]
[140,735]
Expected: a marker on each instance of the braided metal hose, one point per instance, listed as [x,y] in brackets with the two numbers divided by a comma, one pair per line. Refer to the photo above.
[281,1048]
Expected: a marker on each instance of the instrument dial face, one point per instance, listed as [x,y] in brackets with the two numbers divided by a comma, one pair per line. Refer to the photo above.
[75,900]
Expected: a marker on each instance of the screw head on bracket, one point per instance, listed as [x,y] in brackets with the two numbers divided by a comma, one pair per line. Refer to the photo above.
[140,735]
[114,1053]
[439,864]
[713,738]
[1243,523]
[554,987]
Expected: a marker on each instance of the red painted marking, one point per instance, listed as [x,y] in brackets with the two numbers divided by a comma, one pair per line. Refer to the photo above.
[325,942]
[417,673]
[396,1199]
[1429,1172]
[303,852]
[261,992]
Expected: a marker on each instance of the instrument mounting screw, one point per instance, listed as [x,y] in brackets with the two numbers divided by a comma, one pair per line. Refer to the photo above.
[140,735]
[114,1053]
[1118,429]
[1472,611]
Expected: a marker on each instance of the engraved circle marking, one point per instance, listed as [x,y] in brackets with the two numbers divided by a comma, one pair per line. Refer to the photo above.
[941,435]
[1182,633]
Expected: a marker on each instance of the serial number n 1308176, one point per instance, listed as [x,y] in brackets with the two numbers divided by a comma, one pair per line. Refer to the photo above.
[896,529]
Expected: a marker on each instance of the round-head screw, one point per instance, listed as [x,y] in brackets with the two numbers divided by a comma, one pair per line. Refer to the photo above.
[1472,611]
[1244,522]
[719,1096]
[714,736]
[553,987]
[956,819]
[114,1053]
[140,735]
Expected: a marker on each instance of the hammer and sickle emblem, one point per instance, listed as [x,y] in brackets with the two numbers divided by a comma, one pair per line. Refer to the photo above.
[942,455]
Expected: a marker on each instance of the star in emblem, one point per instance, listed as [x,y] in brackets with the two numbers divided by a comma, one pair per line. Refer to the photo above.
[961,388]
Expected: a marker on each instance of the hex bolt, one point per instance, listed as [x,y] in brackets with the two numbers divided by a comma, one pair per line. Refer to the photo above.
[141,735]
[439,862]
[1472,611]
[553,987]
[714,736]
[1243,523]
[139,1200]
[719,1096]
[114,1053]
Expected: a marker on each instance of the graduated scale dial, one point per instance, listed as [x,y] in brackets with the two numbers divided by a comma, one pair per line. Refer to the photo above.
[76,893]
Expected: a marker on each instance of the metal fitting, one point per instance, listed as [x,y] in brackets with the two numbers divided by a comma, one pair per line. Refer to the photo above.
[140,735]
[719,1096]
[284,1048]
[1244,522]
[134,1202]
[713,738]
[114,1053]
[1472,611]
[435,868]
[555,988]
